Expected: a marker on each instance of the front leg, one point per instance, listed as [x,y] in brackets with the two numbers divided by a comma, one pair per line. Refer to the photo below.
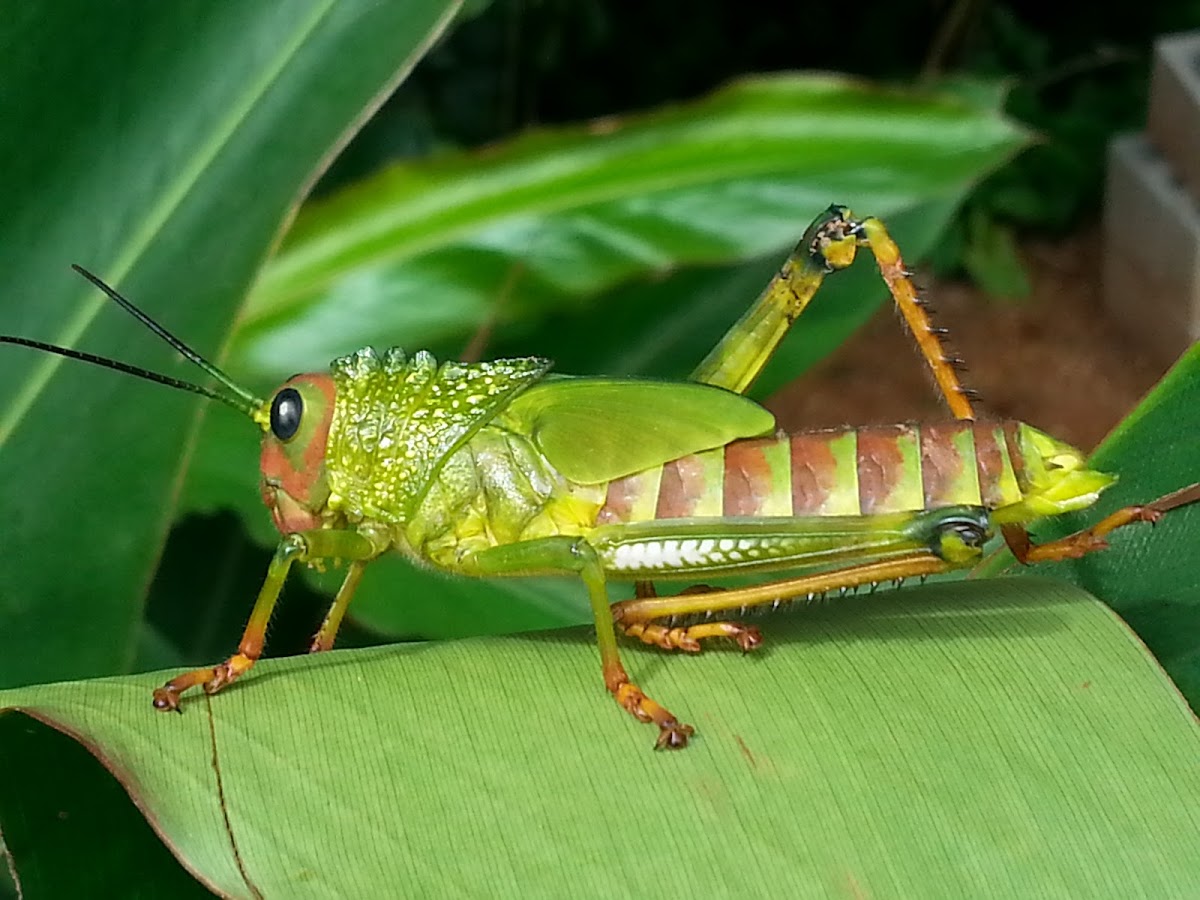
[556,555]
[301,546]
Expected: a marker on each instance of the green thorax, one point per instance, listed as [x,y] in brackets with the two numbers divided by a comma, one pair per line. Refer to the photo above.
[397,420]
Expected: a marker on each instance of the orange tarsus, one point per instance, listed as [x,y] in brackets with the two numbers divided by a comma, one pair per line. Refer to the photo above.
[672,734]
[683,638]
[1073,546]
[688,638]
[210,680]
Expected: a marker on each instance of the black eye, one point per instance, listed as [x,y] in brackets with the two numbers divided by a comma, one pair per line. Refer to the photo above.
[286,410]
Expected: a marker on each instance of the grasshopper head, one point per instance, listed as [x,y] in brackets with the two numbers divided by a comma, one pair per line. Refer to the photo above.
[295,425]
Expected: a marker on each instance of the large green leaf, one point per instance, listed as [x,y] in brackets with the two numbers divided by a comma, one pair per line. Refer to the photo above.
[1150,576]
[946,741]
[162,145]
[429,251]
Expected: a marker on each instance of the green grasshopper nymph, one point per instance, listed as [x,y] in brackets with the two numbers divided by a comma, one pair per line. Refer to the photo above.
[501,468]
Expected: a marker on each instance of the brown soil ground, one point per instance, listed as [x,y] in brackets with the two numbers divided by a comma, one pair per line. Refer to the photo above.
[1054,359]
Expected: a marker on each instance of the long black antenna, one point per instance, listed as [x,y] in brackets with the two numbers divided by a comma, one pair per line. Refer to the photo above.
[241,400]
[127,369]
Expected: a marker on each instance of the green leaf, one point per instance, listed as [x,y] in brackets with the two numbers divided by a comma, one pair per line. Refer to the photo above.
[1150,575]
[599,429]
[419,253]
[163,145]
[945,741]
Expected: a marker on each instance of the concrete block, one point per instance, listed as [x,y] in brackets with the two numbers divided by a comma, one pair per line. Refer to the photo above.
[1152,249]
[1173,124]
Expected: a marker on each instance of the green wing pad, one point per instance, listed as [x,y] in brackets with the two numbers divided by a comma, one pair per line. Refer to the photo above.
[597,429]
[398,419]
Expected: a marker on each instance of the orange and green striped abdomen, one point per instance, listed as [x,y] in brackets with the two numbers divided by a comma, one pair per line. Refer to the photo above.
[859,472]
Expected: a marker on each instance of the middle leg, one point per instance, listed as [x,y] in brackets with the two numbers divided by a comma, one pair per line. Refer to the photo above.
[575,554]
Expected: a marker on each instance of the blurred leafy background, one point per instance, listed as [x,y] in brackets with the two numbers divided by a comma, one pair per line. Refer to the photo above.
[606,184]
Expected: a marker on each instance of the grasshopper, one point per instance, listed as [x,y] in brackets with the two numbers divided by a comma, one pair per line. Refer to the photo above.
[501,468]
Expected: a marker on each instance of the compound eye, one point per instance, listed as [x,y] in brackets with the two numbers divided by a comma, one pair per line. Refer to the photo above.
[286,410]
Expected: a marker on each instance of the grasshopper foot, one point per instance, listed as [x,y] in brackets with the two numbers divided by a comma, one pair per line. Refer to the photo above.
[166,699]
[640,618]
[749,638]
[210,680]
[673,737]
[672,734]
[688,639]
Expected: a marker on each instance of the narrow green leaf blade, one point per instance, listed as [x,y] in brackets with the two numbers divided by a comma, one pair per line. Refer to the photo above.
[162,145]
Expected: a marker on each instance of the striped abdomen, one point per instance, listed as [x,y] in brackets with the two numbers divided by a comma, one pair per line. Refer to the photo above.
[836,472]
